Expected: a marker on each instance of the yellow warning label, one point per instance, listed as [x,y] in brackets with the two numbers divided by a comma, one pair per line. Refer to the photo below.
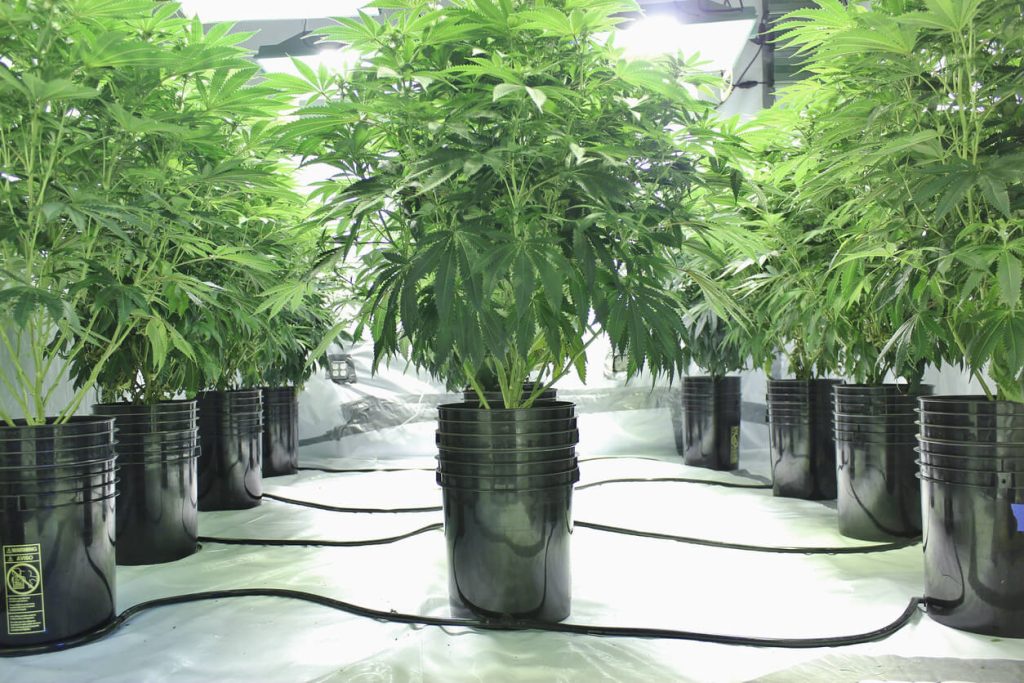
[23,589]
[734,445]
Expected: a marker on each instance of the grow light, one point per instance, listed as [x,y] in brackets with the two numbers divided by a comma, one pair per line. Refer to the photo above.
[210,11]
[719,43]
[342,368]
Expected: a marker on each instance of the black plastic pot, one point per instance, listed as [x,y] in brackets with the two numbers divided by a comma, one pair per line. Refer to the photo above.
[231,442]
[56,533]
[508,511]
[280,431]
[157,514]
[508,552]
[802,441]
[973,552]
[711,422]
[878,495]
[973,502]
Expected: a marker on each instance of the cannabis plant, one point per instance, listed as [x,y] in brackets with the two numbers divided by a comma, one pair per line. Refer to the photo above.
[193,142]
[924,130]
[514,188]
[71,287]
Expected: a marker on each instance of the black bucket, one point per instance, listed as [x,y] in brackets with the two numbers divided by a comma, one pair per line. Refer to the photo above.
[56,546]
[973,552]
[508,510]
[157,514]
[711,422]
[878,496]
[280,431]
[231,449]
[509,552]
[801,438]
[972,481]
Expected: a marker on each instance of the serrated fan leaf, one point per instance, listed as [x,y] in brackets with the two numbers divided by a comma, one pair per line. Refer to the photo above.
[1008,275]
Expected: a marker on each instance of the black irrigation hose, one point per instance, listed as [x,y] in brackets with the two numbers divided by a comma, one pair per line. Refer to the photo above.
[416,619]
[623,457]
[709,482]
[366,470]
[326,543]
[335,508]
[793,550]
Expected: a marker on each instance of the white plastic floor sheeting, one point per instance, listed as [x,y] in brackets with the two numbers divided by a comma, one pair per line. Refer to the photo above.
[617,580]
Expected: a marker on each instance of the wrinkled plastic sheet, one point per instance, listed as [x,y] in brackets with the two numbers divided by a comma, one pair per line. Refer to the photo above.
[626,431]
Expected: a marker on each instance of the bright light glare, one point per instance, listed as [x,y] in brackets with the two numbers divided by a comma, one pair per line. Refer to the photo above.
[718,42]
[211,11]
[334,60]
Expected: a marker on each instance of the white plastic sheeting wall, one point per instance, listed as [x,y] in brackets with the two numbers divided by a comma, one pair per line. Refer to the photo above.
[388,421]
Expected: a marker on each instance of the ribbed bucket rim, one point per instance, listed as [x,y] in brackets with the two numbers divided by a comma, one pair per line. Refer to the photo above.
[527,486]
[559,421]
[35,507]
[160,407]
[108,466]
[973,400]
[510,413]
[575,431]
[164,461]
[972,439]
[954,457]
[884,422]
[556,487]
[569,469]
[527,451]
[77,421]
[971,444]
[969,473]
[986,487]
